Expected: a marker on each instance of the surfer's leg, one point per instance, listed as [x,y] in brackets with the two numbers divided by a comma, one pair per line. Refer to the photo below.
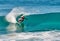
[22,25]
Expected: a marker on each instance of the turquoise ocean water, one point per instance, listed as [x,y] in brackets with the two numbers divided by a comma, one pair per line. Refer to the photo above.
[35,23]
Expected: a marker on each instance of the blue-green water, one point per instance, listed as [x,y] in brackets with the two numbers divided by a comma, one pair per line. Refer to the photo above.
[43,22]
[35,23]
[38,27]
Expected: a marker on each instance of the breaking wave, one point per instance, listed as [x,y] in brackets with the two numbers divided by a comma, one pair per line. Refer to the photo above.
[15,12]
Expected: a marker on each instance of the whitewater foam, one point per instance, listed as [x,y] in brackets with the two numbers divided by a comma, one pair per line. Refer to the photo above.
[32,36]
[11,17]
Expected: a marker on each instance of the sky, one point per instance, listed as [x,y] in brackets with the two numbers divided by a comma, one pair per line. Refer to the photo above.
[40,5]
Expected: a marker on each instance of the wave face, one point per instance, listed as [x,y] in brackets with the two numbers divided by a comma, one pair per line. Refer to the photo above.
[34,23]
[43,22]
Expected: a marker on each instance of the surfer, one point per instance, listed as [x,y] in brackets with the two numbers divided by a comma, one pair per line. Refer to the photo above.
[20,23]
[21,19]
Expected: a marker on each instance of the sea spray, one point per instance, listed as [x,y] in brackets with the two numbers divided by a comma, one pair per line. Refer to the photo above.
[17,11]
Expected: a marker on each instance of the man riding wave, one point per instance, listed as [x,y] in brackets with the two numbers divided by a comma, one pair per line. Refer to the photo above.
[20,22]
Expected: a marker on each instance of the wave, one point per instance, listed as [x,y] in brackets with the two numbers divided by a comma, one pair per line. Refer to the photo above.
[34,23]
[37,27]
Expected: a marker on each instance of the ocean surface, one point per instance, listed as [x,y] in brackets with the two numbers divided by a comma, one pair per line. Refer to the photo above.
[37,27]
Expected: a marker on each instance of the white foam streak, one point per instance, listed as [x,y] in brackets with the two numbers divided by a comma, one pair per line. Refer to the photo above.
[29,36]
